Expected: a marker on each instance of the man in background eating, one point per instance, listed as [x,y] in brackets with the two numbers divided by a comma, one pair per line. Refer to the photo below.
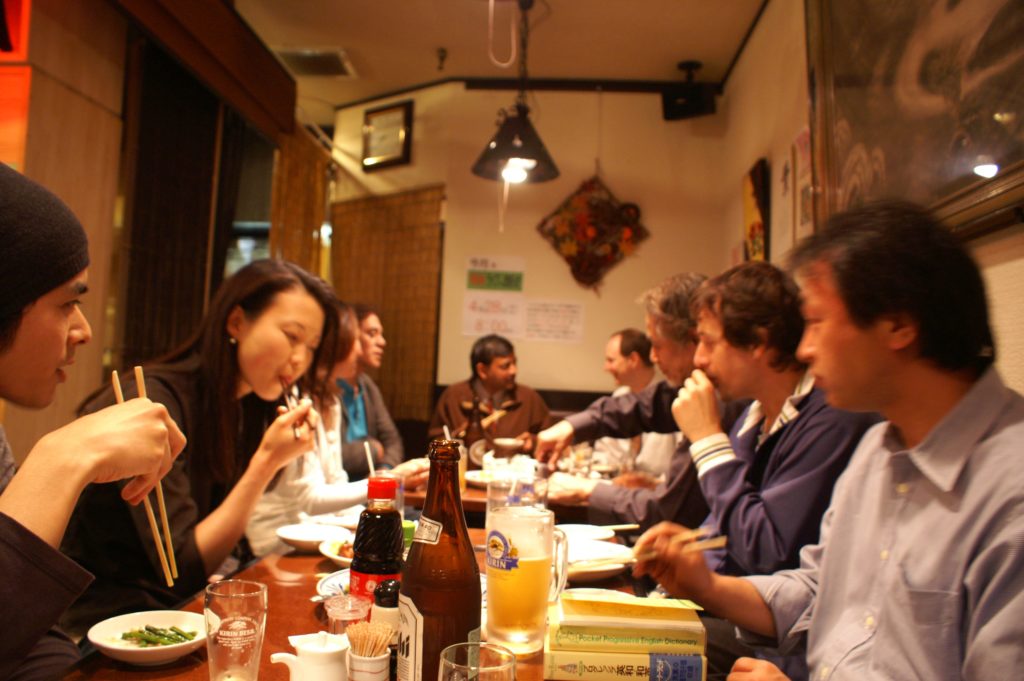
[627,357]
[43,273]
[519,410]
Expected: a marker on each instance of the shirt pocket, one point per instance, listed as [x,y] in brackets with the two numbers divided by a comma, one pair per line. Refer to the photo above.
[919,635]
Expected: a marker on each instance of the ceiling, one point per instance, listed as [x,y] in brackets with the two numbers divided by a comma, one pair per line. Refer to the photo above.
[393,45]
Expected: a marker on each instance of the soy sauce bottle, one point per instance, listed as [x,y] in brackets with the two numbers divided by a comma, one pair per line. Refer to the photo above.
[439,602]
[377,549]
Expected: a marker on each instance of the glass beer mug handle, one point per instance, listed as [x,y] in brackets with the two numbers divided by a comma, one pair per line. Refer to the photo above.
[559,563]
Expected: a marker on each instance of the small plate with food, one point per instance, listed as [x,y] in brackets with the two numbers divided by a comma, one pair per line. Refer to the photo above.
[149,638]
[338,550]
[308,536]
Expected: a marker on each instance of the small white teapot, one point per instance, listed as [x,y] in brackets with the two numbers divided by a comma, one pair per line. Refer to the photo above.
[321,657]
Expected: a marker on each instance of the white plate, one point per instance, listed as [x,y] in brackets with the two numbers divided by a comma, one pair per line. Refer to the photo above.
[308,536]
[587,549]
[348,518]
[334,583]
[586,532]
[329,549]
[479,478]
[106,636]
[476,452]
[337,583]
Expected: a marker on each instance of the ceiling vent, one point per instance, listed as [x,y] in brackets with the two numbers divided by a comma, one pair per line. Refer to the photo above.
[317,62]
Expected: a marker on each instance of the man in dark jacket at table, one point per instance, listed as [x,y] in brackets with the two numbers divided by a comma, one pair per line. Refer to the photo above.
[670,328]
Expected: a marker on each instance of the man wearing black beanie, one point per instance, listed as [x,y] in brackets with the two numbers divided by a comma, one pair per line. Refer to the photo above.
[43,271]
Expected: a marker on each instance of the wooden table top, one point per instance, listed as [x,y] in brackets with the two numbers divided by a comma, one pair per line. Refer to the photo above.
[291,580]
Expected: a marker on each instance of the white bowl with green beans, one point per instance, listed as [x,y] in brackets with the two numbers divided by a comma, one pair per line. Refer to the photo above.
[149,638]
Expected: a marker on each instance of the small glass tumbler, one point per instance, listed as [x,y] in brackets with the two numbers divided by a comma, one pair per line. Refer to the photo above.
[236,617]
[343,610]
[477,661]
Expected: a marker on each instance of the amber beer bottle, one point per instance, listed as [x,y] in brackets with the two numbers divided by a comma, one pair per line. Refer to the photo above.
[439,603]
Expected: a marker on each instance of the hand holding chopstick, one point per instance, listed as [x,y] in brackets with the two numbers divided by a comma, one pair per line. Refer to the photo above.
[119,396]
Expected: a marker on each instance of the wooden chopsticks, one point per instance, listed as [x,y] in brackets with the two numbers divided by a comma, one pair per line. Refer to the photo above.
[170,569]
[686,535]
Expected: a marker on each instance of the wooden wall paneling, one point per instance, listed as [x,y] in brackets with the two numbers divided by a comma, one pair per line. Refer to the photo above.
[83,44]
[73,148]
[387,252]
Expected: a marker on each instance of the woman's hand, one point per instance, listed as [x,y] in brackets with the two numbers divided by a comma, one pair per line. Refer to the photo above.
[290,435]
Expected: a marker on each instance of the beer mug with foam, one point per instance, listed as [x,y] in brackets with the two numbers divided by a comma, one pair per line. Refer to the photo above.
[526,569]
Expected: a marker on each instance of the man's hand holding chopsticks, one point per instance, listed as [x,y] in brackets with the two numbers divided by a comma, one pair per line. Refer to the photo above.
[683,572]
[137,439]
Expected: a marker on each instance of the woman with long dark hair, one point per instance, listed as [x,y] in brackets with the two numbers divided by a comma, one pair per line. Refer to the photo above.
[270,326]
[318,482]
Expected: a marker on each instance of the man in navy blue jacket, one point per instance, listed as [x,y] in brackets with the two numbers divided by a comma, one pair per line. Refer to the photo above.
[769,481]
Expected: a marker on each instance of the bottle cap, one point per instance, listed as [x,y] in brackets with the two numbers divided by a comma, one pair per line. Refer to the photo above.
[408,530]
[386,593]
[379,487]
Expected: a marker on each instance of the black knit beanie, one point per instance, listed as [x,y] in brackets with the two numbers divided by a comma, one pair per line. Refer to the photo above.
[42,243]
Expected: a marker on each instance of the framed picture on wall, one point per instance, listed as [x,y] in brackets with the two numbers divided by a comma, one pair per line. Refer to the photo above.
[919,100]
[387,136]
[756,212]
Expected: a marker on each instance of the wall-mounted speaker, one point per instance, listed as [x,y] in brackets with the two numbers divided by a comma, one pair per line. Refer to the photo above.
[688,100]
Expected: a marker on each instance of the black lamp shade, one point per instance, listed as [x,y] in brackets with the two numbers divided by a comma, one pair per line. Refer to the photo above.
[516,138]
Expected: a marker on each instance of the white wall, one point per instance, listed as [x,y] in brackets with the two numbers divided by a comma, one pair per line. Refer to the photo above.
[668,168]
[1001,257]
[685,175]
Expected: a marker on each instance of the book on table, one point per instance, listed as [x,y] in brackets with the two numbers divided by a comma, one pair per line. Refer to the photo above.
[563,665]
[616,636]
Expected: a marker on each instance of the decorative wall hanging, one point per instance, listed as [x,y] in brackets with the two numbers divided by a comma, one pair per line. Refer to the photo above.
[593,231]
[756,214]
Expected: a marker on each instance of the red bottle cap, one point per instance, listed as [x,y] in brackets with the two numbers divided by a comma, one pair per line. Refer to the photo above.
[379,487]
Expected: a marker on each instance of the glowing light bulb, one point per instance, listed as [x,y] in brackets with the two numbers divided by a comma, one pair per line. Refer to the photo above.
[986,170]
[516,170]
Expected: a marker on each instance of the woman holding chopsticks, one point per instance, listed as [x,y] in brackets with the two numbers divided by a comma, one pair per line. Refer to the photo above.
[317,481]
[270,326]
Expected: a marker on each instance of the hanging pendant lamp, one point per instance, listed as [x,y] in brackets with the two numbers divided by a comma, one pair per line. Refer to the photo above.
[516,154]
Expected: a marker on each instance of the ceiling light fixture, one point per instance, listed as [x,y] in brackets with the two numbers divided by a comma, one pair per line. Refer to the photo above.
[515,154]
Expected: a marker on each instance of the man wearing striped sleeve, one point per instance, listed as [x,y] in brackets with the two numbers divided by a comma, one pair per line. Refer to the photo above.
[769,481]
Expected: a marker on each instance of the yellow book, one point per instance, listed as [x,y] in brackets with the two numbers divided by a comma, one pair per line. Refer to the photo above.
[628,612]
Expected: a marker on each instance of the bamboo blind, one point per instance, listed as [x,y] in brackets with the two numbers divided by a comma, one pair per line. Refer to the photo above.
[298,199]
[386,251]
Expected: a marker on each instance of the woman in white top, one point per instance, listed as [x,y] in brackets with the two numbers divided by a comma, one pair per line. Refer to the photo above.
[316,482]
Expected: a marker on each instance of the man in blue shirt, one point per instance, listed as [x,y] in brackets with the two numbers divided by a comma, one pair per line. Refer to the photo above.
[919,571]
